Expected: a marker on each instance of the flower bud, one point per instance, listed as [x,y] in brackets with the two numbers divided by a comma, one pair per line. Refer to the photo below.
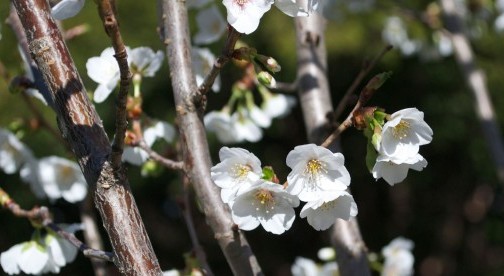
[269,63]
[266,78]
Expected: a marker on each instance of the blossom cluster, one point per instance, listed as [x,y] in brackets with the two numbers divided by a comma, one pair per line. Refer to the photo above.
[397,144]
[245,123]
[318,177]
[52,177]
[44,253]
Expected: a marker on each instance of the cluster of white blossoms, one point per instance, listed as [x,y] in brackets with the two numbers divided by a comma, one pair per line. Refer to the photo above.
[66,8]
[398,145]
[44,253]
[245,123]
[104,70]
[318,177]
[52,177]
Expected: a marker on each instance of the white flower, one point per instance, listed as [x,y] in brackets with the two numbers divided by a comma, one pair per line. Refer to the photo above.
[145,62]
[105,71]
[237,170]
[395,171]
[259,117]
[244,15]
[290,8]
[499,23]
[398,258]
[304,267]
[13,153]
[202,62]
[136,155]
[278,105]
[43,254]
[264,203]
[322,213]
[245,128]
[222,125]
[29,75]
[403,134]
[307,267]
[211,25]
[315,170]
[171,272]
[66,9]
[58,177]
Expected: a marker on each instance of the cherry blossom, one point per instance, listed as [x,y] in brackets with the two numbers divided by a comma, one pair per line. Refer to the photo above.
[398,258]
[211,25]
[315,170]
[267,204]
[66,9]
[395,170]
[136,155]
[237,169]
[13,153]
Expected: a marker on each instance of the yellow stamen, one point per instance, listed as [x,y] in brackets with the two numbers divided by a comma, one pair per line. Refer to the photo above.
[401,130]
[240,172]
[265,199]
[314,168]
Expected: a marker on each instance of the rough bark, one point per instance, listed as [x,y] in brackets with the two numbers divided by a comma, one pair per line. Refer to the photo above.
[175,35]
[315,99]
[82,129]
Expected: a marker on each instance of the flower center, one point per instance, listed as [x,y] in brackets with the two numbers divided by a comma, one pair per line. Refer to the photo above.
[240,171]
[401,130]
[265,200]
[67,176]
[241,2]
[314,168]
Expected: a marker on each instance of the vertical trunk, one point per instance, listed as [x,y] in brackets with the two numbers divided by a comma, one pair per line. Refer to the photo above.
[175,34]
[82,129]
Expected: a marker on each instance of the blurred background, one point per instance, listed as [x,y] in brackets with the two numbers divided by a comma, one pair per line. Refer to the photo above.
[453,210]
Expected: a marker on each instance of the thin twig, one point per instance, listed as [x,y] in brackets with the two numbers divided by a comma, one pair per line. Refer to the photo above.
[106,10]
[41,215]
[186,211]
[285,87]
[366,94]
[367,66]
[170,164]
[219,63]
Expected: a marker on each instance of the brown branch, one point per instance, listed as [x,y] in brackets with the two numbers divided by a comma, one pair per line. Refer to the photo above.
[315,100]
[366,94]
[367,66]
[219,63]
[196,155]
[170,164]
[82,129]
[106,9]
[41,216]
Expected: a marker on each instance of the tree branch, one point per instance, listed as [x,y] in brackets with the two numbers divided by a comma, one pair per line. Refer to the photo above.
[315,102]
[170,164]
[175,35]
[82,129]
[106,9]
[219,63]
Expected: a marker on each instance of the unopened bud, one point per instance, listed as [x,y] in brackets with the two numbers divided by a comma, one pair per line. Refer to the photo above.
[266,78]
[269,63]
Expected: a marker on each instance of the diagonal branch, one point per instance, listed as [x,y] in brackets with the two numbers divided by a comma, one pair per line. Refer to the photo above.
[175,35]
[106,9]
[81,127]
[219,63]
